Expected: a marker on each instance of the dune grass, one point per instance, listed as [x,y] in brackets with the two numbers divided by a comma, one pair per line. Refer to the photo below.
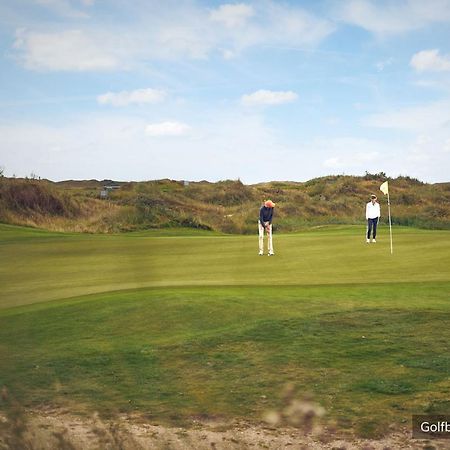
[176,327]
[227,206]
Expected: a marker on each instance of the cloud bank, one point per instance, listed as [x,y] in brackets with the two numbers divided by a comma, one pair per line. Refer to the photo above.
[264,97]
[166,129]
[187,31]
[430,60]
[126,98]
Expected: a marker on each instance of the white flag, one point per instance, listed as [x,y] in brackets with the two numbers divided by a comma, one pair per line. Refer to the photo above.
[384,188]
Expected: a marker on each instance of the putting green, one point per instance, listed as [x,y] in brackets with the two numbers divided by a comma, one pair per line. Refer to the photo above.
[37,266]
[177,326]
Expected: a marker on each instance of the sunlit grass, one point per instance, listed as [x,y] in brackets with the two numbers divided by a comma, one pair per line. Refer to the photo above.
[363,331]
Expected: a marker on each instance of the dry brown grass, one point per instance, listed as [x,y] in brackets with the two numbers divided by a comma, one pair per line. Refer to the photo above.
[227,206]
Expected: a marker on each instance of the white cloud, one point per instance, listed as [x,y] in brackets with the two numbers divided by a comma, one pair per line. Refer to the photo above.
[427,84]
[333,163]
[393,16]
[348,153]
[166,129]
[447,146]
[67,51]
[188,31]
[422,156]
[228,144]
[232,15]
[419,150]
[427,149]
[228,54]
[138,96]
[233,28]
[64,8]
[422,151]
[430,60]
[91,146]
[293,26]
[415,118]
[179,40]
[265,97]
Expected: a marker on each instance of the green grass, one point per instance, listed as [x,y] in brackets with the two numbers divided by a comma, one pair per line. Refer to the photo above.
[193,325]
[36,266]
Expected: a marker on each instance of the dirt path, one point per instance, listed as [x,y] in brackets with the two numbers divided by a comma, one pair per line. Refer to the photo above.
[55,429]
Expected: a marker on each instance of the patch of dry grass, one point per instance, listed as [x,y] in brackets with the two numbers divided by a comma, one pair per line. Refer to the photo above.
[228,206]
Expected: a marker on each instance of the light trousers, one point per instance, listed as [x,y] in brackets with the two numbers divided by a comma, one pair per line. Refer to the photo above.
[261,238]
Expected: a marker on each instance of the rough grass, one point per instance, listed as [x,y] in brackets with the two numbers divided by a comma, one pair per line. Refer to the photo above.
[227,206]
[208,328]
[176,353]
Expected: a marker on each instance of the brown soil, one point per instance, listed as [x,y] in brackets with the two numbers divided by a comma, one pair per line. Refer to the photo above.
[56,429]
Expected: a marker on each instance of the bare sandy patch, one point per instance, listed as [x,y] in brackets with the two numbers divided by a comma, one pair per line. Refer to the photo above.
[59,429]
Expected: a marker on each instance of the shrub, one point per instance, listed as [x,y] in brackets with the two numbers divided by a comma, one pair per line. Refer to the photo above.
[28,196]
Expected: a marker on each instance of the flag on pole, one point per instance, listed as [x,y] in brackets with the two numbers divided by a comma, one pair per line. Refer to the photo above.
[384,188]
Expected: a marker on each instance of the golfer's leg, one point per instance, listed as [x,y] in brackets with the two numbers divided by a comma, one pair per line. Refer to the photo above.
[369,228]
[375,223]
[269,236]
[261,237]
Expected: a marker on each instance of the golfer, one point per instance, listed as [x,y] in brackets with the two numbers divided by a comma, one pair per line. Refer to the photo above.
[372,216]
[265,224]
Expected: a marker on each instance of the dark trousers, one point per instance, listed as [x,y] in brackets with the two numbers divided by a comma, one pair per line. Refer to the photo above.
[372,225]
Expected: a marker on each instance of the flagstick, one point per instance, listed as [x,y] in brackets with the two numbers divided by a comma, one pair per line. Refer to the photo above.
[390,224]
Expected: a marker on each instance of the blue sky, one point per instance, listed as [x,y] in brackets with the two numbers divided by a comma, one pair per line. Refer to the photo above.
[259,90]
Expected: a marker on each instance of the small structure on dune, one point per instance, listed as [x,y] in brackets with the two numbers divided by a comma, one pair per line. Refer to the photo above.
[104,193]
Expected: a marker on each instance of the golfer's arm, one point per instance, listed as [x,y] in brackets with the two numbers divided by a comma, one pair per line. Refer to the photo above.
[261,218]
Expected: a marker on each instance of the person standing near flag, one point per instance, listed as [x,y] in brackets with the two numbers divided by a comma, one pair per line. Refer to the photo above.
[372,216]
[265,224]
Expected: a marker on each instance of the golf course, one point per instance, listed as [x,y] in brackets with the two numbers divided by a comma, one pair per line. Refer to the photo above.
[181,323]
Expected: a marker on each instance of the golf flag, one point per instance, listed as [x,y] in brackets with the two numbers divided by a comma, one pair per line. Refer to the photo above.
[384,188]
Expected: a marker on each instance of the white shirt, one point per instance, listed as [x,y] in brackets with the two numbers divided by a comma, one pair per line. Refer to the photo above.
[372,210]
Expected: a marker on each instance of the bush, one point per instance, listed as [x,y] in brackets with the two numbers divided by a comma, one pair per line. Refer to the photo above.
[192,222]
[228,206]
[27,196]
[230,193]
[380,176]
[348,187]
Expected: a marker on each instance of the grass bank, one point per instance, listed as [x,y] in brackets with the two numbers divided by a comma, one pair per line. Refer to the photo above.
[371,356]
[37,266]
[227,206]
[178,327]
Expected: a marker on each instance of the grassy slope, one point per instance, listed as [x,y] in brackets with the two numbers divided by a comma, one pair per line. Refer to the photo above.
[39,267]
[227,206]
[363,330]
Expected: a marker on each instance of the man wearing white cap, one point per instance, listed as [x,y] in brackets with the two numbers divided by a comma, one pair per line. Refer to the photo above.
[372,216]
[265,223]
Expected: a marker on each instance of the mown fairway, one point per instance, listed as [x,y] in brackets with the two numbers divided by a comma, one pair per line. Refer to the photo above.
[187,324]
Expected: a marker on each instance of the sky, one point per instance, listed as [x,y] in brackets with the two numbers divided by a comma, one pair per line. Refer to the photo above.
[209,90]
